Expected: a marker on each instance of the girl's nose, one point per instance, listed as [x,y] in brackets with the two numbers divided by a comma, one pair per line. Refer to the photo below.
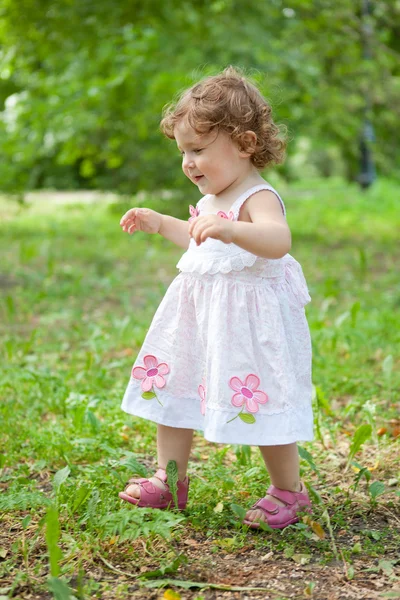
[188,162]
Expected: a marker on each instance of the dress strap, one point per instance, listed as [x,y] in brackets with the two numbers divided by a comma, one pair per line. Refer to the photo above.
[237,205]
[195,210]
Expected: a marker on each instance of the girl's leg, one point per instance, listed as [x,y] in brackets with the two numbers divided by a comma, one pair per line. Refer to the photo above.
[282,463]
[172,444]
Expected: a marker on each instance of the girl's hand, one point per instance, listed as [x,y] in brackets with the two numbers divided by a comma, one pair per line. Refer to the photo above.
[141,219]
[211,226]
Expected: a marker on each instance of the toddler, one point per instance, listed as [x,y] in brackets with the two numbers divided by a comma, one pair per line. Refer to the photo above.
[228,351]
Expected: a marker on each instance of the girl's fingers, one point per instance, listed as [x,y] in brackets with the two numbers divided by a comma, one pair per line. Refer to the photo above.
[197,227]
[128,216]
[207,232]
[126,225]
[198,234]
[192,226]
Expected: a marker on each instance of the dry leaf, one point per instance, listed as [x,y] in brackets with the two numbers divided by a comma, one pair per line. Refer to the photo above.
[301,559]
[308,592]
[316,527]
[190,542]
[171,595]
[219,508]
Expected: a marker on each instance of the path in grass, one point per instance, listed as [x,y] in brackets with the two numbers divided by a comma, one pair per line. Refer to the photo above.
[76,298]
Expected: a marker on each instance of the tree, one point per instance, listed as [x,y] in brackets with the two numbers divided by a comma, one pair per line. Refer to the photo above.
[83,83]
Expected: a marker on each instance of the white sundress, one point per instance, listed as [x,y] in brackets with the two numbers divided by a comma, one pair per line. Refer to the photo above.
[228,351]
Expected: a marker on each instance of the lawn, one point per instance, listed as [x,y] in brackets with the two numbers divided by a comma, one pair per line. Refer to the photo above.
[76,298]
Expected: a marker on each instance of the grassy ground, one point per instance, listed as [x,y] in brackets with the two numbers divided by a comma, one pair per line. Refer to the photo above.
[76,298]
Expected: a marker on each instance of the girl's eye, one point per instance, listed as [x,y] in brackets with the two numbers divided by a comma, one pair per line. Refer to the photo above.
[196,151]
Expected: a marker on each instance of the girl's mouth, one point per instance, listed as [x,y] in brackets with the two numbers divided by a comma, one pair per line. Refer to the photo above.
[197,178]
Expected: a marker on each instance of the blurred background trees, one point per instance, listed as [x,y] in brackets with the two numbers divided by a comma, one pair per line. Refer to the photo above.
[83,84]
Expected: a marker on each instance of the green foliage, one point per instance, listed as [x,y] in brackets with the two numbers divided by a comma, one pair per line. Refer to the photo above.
[305,455]
[83,85]
[52,538]
[130,524]
[172,478]
[134,466]
[170,567]
[22,500]
[60,589]
[60,477]
[362,434]
[376,489]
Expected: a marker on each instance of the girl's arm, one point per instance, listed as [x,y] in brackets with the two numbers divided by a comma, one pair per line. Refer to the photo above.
[267,235]
[150,221]
[175,230]
[267,239]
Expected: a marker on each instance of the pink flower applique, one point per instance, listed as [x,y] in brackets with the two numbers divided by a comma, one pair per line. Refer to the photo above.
[151,375]
[194,212]
[202,394]
[247,396]
[229,216]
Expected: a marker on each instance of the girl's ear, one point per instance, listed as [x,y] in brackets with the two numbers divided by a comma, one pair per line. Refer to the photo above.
[247,143]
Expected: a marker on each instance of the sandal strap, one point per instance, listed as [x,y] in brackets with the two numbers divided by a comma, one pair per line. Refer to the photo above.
[288,497]
[137,480]
[144,481]
[152,496]
[266,506]
[161,474]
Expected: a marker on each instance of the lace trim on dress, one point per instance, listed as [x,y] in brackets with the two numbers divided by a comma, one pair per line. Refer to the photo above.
[193,261]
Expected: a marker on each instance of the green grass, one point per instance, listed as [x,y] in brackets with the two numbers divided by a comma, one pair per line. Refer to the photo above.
[76,298]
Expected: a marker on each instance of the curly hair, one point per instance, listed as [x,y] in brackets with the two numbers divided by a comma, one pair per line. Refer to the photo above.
[229,101]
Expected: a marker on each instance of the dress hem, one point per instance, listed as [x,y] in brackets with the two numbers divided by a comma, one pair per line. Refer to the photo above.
[211,436]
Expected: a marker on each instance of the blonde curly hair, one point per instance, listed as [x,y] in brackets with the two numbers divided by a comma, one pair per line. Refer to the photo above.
[229,101]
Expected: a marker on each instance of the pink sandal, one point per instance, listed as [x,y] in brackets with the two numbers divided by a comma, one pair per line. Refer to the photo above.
[153,497]
[278,517]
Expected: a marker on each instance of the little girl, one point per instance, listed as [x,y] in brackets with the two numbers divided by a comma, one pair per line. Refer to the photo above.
[228,351]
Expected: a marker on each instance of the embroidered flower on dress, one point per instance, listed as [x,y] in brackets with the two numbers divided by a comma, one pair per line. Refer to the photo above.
[194,212]
[247,393]
[151,374]
[202,394]
[229,216]
[247,396]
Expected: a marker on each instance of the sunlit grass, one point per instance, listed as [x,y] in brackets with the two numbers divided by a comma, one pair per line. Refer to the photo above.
[76,298]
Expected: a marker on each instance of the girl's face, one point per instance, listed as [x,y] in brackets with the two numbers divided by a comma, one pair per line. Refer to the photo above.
[212,160]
